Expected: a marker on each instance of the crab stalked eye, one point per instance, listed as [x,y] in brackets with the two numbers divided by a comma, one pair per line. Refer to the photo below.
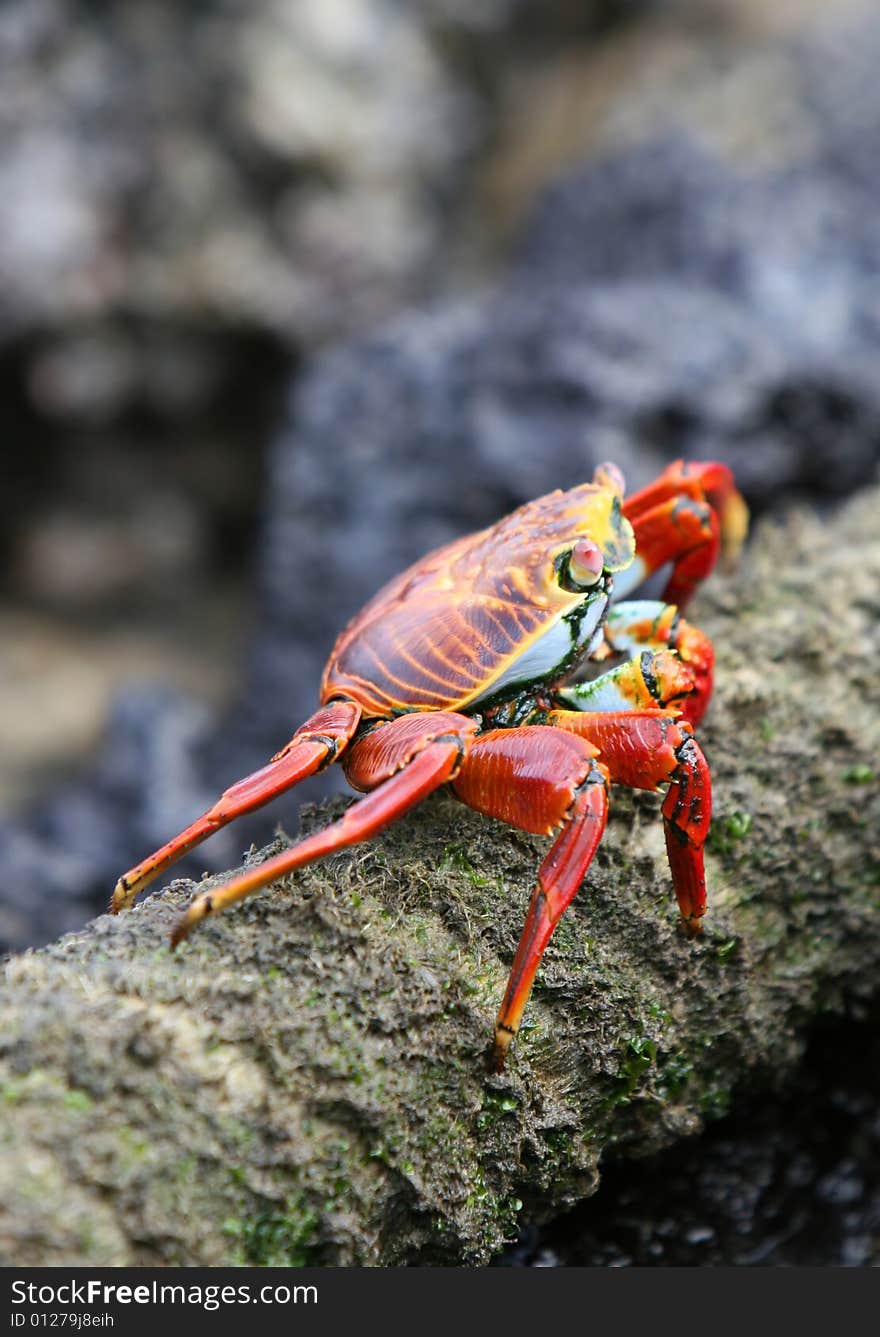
[586,562]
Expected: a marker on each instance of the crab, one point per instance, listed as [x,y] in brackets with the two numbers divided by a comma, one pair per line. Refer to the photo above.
[511,666]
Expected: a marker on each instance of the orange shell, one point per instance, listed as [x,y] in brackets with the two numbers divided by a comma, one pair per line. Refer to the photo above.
[438,635]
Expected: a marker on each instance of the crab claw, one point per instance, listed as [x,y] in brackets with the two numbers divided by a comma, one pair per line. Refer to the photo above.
[723,496]
[733,517]
[687,516]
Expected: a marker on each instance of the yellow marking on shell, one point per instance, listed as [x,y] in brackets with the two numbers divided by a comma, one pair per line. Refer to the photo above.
[609,476]
[598,516]
[393,677]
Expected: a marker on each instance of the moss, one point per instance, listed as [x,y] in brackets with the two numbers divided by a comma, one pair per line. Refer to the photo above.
[277,1239]
[44,1086]
[728,831]
[674,1071]
[455,859]
[495,1105]
[640,1054]
[715,1102]
[80,1102]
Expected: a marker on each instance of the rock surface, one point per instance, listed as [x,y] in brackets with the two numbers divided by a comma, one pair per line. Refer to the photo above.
[305,1082]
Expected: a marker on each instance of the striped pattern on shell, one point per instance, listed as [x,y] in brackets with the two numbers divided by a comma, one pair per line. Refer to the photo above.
[438,635]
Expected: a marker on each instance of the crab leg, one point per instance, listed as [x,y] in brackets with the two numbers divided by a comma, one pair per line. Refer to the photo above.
[314,745]
[643,749]
[690,512]
[651,625]
[682,531]
[405,760]
[650,679]
[537,779]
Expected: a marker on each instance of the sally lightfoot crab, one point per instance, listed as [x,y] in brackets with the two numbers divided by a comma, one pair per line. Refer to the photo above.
[481,667]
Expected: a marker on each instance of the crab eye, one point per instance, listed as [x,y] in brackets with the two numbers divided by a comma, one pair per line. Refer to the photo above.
[586,562]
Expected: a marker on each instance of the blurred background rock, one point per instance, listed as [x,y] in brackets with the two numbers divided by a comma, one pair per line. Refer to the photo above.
[190,200]
[615,229]
[291,292]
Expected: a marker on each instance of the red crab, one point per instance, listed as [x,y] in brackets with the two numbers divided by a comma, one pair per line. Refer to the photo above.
[471,669]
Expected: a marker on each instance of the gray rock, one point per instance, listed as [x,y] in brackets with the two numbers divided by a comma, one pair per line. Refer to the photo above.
[664,303]
[222,160]
[275,167]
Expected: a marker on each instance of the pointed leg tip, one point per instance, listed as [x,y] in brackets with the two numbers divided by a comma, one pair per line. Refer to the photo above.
[121,898]
[178,933]
[200,909]
[500,1046]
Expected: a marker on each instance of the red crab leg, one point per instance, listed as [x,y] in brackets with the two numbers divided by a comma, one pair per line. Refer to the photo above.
[697,653]
[651,625]
[682,531]
[314,745]
[644,749]
[407,759]
[537,779]
[683,518]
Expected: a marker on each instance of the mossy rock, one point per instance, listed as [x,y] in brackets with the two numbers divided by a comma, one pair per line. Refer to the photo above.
[306,1081]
